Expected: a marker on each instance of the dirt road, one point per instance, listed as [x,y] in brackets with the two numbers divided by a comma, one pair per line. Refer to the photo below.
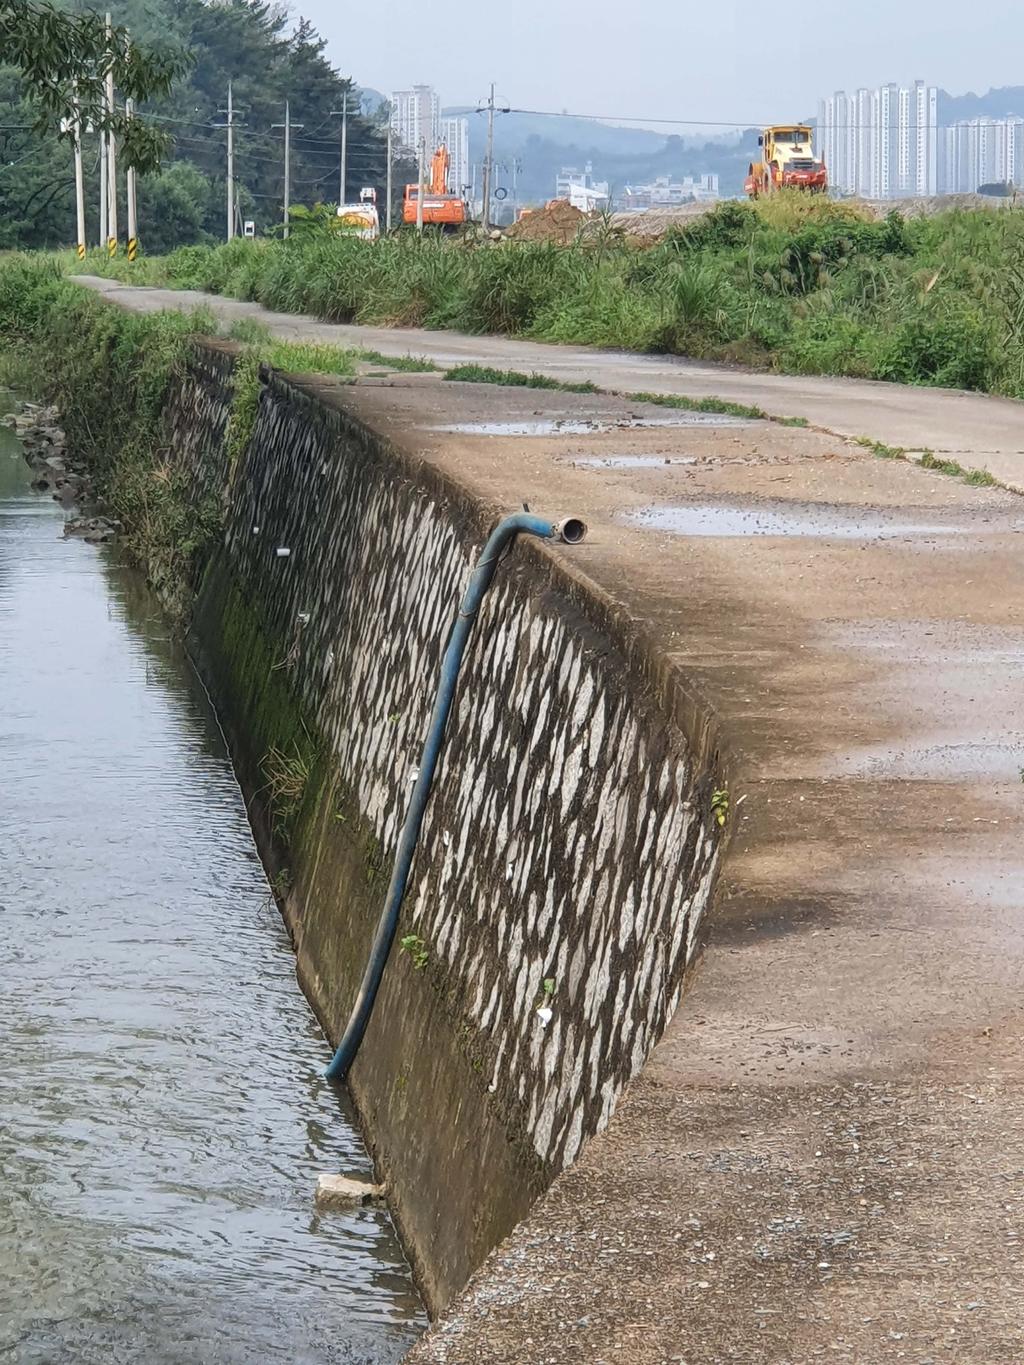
[976,430]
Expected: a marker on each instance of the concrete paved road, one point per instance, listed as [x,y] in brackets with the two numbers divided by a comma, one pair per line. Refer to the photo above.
[978,431]
[824,1156]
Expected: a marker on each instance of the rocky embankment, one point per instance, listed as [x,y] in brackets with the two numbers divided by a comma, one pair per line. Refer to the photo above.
[56,472]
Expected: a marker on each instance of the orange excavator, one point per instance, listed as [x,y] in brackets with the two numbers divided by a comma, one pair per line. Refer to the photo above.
[787,162]
[441,207]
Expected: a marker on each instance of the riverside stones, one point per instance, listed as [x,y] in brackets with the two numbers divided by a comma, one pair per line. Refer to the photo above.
[54,470]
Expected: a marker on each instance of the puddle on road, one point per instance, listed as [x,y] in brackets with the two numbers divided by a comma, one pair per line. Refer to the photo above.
[681,418]
[547,427]
[990,757]
[631,461]
[788,519]
[588,426]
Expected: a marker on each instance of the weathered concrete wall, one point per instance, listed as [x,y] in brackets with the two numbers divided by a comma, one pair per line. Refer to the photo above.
[569,836]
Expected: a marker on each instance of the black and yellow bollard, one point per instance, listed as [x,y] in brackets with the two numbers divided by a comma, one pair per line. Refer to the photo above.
[111,247]
[81,251]
[133,248]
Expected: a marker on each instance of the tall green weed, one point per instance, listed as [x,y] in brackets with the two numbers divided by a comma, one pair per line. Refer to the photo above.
[794,282]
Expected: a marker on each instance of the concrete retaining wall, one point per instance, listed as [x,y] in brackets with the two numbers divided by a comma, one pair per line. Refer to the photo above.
[569,838]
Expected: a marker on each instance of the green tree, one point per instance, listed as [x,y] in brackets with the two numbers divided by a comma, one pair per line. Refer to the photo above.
[250,43]
[174,206]
[35,173]
[64,60]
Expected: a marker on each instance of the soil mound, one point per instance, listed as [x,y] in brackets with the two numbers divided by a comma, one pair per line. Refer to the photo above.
[558,222]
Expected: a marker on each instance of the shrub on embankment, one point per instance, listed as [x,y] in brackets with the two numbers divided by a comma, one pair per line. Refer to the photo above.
[109,372]
[796,284]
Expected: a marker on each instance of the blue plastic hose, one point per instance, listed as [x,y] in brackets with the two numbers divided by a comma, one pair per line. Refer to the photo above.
[572,532]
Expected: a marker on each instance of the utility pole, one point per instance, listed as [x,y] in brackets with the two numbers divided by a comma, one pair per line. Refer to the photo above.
[231,165]
[490,109]
[344,150]
[111,157]
[287,126]
[129,179]
[342,113]
[79,181]
[232,207]
[420,186]
[488,162]
[343,175]
[287,164]
[104,193]
[388,185]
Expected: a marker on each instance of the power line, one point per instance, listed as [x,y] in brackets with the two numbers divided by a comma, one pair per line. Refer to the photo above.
[35,151]
[266,138]
[634,118]
[206,123]
[306,145]
[247,157]
[318,180]
[748,126]
[194,145]
[170,118]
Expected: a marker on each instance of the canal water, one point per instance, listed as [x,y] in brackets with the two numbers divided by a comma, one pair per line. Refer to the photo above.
[162,1112]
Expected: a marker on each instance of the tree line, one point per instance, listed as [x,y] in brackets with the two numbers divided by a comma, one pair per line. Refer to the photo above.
[185,52]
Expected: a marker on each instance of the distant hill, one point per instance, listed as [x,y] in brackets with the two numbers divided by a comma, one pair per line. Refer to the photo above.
[542,144]
[514,131]
[370,101]
[1005,102]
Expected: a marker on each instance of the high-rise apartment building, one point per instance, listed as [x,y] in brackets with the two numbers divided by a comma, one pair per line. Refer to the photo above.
[926,129]
[861,108]
[887,140]
[982,151]
[881,143]
[455,136]
[905,136]
[416,117]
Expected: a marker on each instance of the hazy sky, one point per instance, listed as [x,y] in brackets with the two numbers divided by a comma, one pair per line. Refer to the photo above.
[662,59]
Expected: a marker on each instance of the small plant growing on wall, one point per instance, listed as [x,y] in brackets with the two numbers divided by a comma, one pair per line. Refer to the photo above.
[720,807]
[373,855]
[418,952]
[277,889]
[287,775]
[543,1001]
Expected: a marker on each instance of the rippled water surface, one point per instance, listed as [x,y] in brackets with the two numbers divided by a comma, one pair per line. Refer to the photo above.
[162,1114]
